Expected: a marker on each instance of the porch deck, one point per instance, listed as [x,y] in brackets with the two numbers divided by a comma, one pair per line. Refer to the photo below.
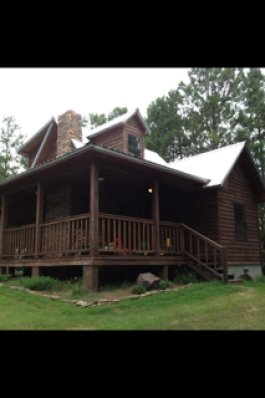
[121,240]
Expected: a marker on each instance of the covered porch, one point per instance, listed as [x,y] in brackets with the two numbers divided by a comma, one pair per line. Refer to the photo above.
[104,213]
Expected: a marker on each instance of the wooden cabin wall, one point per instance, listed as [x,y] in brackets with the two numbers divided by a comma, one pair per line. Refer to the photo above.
[32,156]
[237,190]
[117,138]
[111,139]
[203,213]
[49,152]
[173,203]
[133,122]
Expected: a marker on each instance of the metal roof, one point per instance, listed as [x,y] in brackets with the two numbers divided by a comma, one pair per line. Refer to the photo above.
[214,165]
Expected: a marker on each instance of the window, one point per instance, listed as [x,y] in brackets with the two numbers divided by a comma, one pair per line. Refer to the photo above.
[240,222]
[134,146]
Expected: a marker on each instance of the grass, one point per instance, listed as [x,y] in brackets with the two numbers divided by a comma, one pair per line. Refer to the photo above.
[207,306]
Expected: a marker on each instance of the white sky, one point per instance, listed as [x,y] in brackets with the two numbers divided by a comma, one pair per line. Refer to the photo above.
[34,95]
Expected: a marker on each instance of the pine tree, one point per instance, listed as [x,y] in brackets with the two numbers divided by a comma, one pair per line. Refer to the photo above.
[212,108]
[11,140]
[167,130]
[95,119]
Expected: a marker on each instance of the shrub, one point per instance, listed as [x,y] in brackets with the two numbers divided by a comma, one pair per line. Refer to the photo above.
[78,289]
[163,285]
[260,279]
[139,289]
[5,277]
[184,276]
[39,283]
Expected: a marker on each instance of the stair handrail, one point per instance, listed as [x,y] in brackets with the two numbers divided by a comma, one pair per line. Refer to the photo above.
[203,237]
[210,242]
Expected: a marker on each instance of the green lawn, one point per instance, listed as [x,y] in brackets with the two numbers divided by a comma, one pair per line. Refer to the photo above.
[202,306]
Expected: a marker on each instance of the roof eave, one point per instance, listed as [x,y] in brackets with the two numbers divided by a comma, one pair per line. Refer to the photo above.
[96,148]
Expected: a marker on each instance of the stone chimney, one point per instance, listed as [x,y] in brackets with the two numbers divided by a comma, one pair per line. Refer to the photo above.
[69,126]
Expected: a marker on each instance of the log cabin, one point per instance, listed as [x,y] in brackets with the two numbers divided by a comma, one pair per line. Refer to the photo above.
[108,203]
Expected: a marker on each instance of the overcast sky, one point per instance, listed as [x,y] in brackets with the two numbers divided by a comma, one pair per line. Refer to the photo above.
[34,95]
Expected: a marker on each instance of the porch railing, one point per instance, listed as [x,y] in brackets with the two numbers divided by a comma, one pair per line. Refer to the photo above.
[125,235]
[206,253]
[120,235]
[117,235]
[19,241]
[65,236]
[170,238]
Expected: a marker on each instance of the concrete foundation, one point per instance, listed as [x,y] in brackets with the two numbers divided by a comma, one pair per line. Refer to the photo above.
[253,270]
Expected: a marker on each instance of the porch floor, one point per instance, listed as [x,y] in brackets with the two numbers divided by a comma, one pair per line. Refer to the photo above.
[101,260]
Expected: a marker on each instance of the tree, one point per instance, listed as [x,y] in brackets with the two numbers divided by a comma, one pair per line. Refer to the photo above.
[96,119]
[212,107]
[166,125]
[11,140]
[204,114]
[253,130]
[254,126]
[117,112]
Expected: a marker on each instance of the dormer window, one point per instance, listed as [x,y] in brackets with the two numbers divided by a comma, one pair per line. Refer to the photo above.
[134,146]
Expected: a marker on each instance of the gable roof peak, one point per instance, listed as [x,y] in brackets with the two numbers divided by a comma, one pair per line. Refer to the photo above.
[119,120]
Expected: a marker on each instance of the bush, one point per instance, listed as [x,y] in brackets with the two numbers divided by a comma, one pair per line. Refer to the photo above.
[77,288]
[5,277]
[260,279]
[184,276]
[163,285]
[139,289]
[39,283]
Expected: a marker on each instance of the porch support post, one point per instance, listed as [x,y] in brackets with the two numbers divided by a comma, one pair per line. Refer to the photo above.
[2,223]
[93,230]
[156,217]
[39,210]
[90,277]
[164,273]
[35,271]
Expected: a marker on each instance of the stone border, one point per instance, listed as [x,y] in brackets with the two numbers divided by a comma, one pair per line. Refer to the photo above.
[95,303]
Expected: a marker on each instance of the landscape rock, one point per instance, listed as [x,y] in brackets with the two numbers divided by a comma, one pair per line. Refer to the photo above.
[82,303]
[17,288]
[148,280]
